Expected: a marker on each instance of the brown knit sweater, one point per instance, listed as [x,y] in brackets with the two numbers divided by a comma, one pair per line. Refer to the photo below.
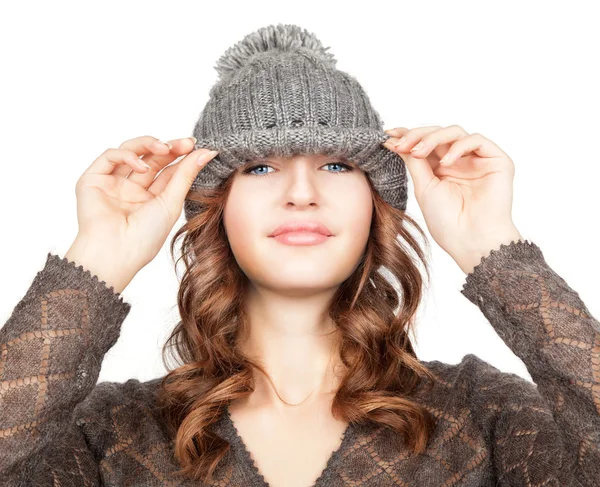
[59,427]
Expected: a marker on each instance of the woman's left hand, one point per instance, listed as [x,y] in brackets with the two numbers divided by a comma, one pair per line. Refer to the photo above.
[466,202]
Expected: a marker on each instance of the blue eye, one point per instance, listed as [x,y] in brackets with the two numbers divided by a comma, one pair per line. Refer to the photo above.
[347,168]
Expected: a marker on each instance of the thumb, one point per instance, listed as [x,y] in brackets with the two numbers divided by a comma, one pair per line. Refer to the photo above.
[180,183]
[420,170]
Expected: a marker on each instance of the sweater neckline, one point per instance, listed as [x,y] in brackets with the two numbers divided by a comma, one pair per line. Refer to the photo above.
[243,454]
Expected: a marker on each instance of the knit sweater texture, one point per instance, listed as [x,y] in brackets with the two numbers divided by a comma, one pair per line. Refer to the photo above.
[60,427]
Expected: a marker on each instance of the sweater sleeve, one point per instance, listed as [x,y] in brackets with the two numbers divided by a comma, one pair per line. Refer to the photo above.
[51,352]
[547,433]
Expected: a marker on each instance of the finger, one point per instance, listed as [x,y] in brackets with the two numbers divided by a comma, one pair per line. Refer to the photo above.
[475,143]
[411,137]
[148,148]
[396,131]
[161,181]
[107,162]
[437,141]
[112,159]
[158,162]
[145,144]
[181,181]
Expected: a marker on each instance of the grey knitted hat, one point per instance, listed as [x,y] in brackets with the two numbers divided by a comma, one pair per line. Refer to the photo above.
[279,94]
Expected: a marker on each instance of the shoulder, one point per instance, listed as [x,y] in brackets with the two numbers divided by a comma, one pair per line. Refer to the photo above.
[476,374]
[126,405]
[116,416]
[113,394]
[486,392]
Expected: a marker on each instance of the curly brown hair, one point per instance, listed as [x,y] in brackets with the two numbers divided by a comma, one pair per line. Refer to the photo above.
[373,321]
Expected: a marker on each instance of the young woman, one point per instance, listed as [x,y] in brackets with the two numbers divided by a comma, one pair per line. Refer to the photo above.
[295,364]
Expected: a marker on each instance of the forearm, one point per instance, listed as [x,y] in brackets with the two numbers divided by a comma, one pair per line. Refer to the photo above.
[52,345]
[547,325]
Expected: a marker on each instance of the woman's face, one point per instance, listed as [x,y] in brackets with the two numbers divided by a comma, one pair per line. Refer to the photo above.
[268,193]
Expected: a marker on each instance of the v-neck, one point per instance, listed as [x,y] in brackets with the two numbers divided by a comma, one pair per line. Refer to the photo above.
[240,448]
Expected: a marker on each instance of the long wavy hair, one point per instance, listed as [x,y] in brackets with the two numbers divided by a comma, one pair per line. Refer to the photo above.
[372,316]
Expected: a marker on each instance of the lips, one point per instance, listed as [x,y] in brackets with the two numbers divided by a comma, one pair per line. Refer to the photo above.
[302,226]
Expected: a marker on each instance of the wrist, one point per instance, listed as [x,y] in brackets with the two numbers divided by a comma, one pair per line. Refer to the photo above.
[482,249]
[101,262]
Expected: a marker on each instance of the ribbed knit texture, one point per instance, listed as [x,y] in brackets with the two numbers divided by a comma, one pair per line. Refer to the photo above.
[58,427]
[279,94]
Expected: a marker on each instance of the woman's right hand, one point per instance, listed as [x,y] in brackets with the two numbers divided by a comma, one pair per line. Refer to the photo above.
[124,219]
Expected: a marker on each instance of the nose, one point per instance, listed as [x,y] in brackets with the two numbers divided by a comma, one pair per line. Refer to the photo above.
[303,186]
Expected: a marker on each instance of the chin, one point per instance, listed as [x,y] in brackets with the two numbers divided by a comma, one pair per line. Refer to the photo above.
[302,274]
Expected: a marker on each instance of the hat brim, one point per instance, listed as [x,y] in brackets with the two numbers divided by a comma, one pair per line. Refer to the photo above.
[363,146]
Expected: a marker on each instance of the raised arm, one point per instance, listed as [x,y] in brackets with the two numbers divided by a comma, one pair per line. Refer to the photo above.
[51,351]
[53,344]
[549,435]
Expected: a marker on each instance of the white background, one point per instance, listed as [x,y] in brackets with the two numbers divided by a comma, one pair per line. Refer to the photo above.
[78,78]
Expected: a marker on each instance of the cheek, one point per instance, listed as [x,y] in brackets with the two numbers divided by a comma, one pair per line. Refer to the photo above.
[243,223]
[356,224]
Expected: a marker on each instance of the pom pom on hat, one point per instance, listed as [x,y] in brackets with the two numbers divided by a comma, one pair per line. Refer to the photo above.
[283,37]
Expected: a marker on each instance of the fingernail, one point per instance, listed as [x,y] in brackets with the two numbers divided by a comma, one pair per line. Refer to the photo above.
[170,146]
[194,139]
[417,147]
[143,163]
